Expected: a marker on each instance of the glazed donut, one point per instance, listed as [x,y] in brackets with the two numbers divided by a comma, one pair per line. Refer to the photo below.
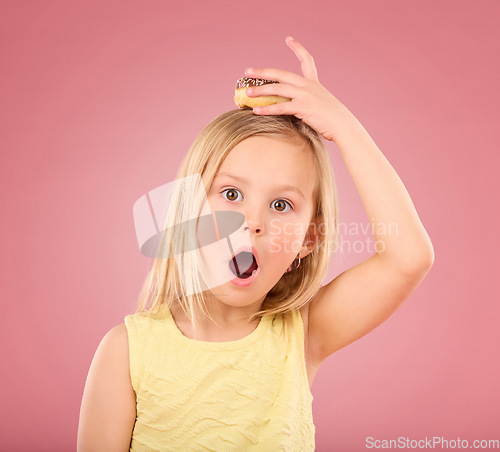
[242,100]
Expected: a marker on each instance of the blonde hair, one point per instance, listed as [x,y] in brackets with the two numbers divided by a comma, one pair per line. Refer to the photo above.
[162,287]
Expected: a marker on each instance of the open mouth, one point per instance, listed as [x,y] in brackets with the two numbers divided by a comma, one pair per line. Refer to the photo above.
[243,265]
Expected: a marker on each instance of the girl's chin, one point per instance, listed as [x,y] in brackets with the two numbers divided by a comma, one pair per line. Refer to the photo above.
[234,294]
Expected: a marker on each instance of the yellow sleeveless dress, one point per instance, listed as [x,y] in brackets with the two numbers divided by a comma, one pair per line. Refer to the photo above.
[251,394]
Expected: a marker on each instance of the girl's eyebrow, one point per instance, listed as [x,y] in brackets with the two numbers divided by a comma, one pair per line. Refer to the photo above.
[279,187]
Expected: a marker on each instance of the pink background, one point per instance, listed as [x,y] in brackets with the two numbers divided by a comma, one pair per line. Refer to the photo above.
[101,100]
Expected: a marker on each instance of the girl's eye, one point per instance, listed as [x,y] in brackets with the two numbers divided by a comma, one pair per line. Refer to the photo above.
[280,204]
[231,191]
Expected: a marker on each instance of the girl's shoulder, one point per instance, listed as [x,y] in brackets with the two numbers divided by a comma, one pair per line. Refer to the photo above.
[116,336]
[113,354]
[141,322]
[115,341]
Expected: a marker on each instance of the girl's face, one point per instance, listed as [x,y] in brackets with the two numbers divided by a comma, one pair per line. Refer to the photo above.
[270,181]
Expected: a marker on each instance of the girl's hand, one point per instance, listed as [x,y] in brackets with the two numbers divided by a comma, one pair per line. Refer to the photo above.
[311,101]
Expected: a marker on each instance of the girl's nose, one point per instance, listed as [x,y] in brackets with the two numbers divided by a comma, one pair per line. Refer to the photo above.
[257,230]
[254,224]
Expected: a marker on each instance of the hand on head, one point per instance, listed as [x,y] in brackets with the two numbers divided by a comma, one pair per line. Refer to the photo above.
[309,100]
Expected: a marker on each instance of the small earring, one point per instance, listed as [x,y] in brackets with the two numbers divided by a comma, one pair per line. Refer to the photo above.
[291,266]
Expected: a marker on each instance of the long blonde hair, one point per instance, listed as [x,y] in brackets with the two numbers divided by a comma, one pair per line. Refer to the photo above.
[162,286]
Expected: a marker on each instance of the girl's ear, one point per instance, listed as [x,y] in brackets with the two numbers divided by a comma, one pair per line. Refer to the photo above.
[312,238]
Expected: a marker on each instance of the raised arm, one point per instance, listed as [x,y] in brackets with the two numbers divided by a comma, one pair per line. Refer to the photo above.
[361,298]
[364,296]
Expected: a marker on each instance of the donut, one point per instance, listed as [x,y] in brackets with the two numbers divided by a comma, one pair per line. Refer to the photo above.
[242,100]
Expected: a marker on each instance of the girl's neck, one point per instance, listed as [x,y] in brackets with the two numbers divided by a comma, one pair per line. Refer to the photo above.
[232,324]
[228,318]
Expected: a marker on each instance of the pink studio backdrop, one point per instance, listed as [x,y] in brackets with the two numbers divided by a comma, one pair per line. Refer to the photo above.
[100,102]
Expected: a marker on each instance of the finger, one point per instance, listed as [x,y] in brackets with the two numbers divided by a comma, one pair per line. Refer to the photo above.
[306,60]
[278,75]
[283,108]
[274,89]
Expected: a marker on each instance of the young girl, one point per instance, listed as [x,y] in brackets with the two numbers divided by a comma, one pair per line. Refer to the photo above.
[229,366]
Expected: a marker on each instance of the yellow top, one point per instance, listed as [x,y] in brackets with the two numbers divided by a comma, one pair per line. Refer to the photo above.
[251,394]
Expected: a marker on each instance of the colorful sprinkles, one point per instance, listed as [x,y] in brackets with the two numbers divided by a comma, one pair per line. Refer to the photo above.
[246,82]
